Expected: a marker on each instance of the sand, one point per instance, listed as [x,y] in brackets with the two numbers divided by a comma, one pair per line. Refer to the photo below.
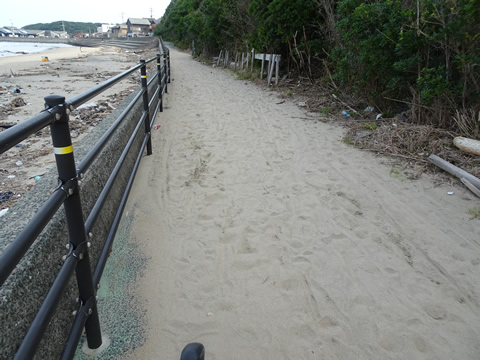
[69,72]
[268,237]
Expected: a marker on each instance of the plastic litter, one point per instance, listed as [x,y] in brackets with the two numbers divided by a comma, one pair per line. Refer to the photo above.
[5,196]
[378,116]
[369,109]
[156,127]
[450,193]
[344,112]
[19,163]
[3,212]
[17,91]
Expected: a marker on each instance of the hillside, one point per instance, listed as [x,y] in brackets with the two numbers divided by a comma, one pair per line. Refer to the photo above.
[70,26]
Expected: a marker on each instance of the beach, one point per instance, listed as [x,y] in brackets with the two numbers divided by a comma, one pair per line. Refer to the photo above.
[254,229]
[24,82]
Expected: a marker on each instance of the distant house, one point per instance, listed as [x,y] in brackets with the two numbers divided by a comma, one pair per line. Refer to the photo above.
[104,28]
[5,32]
[119,31]
[36,33]
[153,23]
[138,27]
[56,34]
[12,31]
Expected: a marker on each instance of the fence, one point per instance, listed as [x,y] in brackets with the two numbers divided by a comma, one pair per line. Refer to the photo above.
[56,115]
[243,60]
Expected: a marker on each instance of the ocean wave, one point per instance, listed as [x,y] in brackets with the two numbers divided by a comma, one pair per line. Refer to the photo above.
[24,48]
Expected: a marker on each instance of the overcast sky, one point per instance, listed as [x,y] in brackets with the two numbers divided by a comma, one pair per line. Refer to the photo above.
[25,12]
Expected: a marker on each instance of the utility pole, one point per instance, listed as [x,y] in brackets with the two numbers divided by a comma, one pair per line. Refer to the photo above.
[151,12]
[122,16]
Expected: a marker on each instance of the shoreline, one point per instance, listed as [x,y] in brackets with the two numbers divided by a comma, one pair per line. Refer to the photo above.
[34,60]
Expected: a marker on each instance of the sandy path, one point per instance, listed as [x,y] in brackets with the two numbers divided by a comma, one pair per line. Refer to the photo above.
[269,238]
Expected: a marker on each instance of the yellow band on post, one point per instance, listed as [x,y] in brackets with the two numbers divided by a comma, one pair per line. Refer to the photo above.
[144,76]
[63,150]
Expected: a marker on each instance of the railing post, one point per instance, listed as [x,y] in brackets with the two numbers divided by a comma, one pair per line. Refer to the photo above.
[67,176]
[143,72]
[165,64]
[168,60]
[160,81]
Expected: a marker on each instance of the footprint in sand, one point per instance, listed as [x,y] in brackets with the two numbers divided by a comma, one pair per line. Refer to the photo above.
[436,311]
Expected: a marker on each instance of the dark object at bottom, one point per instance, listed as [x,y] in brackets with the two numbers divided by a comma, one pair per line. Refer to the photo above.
[193,351]
[5,196]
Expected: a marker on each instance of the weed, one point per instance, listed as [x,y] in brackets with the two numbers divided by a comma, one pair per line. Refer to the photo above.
[348,141]
[475,212]
[246,76]
[397,174]
[370,126]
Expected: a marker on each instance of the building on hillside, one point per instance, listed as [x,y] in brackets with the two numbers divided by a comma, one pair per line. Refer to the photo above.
[138,27]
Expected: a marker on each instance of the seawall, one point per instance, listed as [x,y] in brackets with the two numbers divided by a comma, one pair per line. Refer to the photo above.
[22,294]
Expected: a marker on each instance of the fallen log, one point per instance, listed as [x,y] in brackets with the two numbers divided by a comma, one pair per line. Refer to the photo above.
[456,171]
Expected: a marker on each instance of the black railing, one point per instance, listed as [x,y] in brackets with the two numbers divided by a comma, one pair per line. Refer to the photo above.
[56,115]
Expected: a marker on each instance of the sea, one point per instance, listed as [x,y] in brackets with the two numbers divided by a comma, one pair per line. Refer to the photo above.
[8,48]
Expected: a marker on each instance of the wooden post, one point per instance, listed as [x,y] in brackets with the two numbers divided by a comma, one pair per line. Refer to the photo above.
[277,69]
[235,63]
[270,69]
[263,63]
[243,59]
[253,58]
[219,57]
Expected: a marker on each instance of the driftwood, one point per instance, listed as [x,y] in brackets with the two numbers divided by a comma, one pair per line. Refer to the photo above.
[456,171]
[470,186]
[467,145]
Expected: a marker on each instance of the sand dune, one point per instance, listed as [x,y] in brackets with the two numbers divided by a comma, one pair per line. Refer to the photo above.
[270,238]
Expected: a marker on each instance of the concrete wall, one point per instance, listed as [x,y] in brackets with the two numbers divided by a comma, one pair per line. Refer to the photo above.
[24,291]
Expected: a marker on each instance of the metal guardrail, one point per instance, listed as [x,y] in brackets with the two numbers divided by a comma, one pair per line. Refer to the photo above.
[56,115]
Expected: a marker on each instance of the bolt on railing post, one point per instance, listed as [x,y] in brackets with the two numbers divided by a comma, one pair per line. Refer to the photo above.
[160,77]
[143,72]
[67,173]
